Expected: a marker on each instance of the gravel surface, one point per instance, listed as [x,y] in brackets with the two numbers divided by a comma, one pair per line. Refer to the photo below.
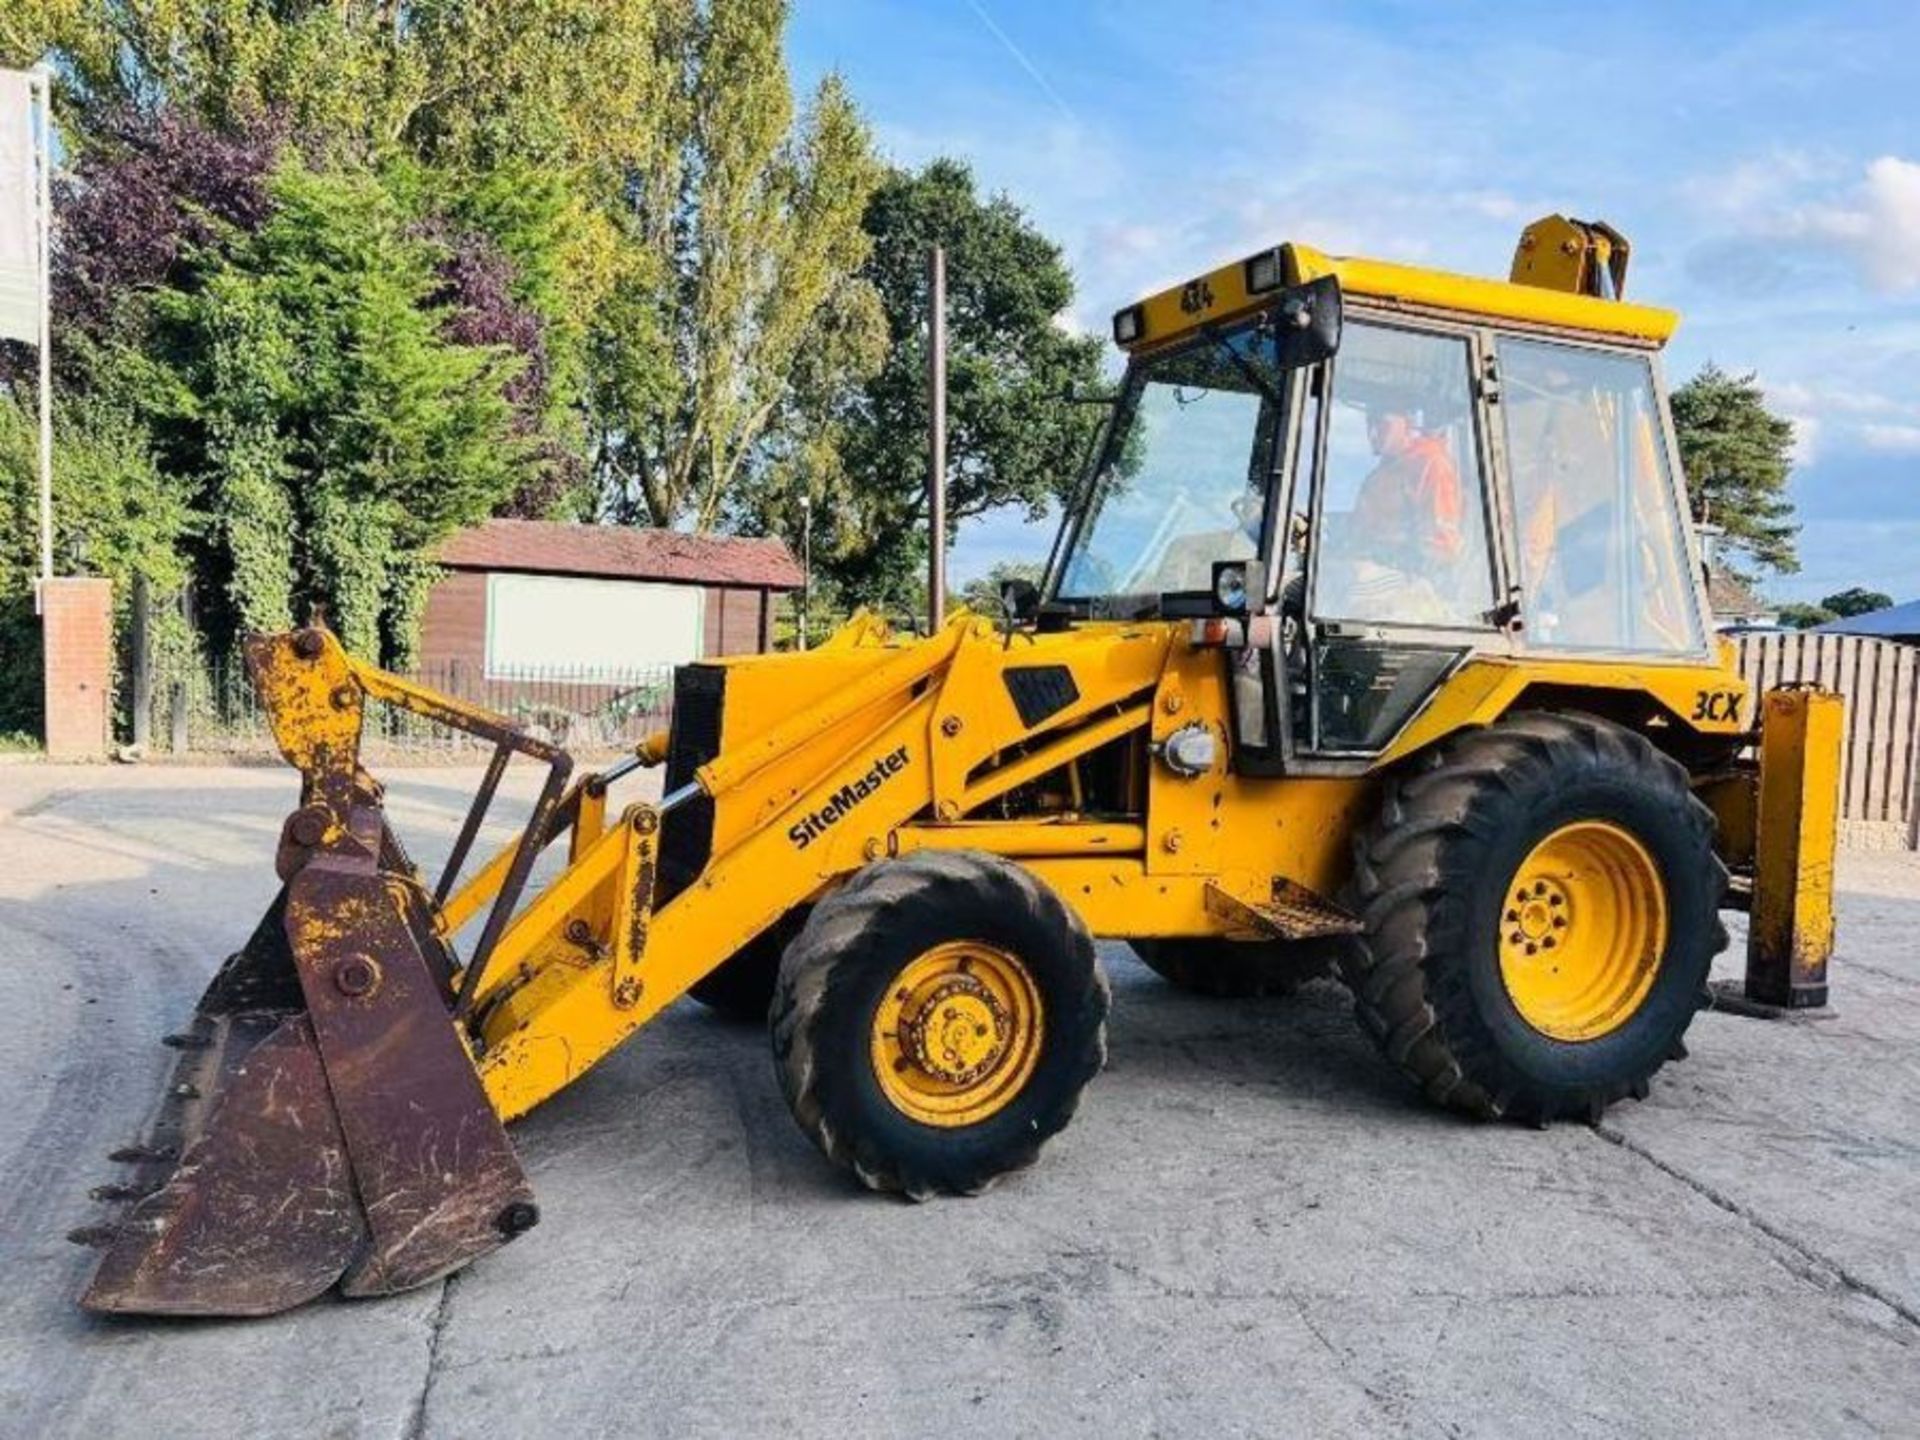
[1250,1228]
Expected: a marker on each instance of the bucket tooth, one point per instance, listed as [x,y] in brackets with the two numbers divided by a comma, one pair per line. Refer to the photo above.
[119,1191]
[143,1154]
[96,1237]
[187,1040]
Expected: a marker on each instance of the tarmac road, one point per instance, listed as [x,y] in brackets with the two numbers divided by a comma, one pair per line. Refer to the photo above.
[1251,1228]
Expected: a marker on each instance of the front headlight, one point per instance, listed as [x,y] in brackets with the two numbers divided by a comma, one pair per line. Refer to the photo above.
[1230,587]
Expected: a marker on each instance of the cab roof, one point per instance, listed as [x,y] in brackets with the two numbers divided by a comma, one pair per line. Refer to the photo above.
[1245,285]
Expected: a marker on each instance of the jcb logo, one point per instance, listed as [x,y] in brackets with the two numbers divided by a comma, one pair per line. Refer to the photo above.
[1717,705]
[1196,296]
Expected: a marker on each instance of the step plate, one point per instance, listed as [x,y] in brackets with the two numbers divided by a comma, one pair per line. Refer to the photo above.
[1293,913]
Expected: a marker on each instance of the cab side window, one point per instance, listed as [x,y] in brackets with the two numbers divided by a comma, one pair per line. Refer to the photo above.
[1601,549]
[1403,531]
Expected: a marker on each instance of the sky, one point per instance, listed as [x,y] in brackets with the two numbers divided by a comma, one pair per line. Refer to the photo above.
[1764,159]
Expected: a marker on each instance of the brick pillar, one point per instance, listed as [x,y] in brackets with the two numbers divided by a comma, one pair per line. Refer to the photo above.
[77,627]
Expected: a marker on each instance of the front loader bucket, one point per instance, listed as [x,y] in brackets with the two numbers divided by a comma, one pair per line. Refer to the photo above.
[325,1123]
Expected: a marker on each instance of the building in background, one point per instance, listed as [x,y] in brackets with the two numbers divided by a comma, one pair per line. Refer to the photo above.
[1896,622]
[544,600]
[1735,607]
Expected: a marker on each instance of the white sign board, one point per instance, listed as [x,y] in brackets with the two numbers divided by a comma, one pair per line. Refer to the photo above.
[563,627]
[21,276]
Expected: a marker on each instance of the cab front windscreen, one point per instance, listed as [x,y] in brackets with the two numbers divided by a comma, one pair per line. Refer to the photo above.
[1182,480]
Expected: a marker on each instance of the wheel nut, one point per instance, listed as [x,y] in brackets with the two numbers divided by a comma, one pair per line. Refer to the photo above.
[356,975]
[343,697]
[1533,949]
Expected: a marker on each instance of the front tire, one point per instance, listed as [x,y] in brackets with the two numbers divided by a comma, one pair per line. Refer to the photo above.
[936,1021]
[1542,903]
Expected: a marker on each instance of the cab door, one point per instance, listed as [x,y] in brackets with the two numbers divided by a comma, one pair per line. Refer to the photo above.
[1401,576]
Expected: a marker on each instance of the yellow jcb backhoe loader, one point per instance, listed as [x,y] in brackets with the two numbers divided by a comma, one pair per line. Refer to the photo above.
[1375,637]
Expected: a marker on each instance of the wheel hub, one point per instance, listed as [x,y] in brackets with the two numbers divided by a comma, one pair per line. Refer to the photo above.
[1539,916]
[958,1034]
[957,1030]
[1583,927]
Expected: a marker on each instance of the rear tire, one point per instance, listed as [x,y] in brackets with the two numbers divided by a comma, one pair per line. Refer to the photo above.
[1235,969]
[849,1006]
[741,989]
[1444,979]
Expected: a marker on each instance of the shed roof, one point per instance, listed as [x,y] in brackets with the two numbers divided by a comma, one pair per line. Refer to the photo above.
[621,552]
[1732,600]
[1896,621]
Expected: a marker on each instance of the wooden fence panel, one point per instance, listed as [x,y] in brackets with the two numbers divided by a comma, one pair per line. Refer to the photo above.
[1881,682]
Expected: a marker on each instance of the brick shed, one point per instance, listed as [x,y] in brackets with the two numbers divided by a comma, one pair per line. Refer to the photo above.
[527,598]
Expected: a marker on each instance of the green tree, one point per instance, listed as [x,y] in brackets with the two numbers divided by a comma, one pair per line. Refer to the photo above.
[1012,436]
[754,305]
[1801,616]
[1856,601]
[345,73]
[1737,455]
[619,192]
[337,433]
[116,513]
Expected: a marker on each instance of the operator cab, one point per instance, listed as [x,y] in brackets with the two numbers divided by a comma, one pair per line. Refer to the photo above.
[1355,477]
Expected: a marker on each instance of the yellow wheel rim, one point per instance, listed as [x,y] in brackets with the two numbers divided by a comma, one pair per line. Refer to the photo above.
[1582,928]
[957,1035]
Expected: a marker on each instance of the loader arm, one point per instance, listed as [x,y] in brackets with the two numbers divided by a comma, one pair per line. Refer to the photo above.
[925,734]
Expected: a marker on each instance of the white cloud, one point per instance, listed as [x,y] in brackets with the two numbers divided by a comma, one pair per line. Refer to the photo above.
[1806,439]
[1879,226]
[1892,439]
[1773,214]
[1755,185]
[1841,419]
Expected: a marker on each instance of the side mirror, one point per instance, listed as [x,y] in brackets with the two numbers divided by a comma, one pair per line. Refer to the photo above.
[1306,323]
[1019,600]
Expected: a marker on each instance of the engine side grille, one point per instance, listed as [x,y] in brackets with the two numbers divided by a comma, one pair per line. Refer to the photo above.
[686,836]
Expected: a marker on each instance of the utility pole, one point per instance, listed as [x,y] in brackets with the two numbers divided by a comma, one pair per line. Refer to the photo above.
[937,439]
[42,83]
[806,564]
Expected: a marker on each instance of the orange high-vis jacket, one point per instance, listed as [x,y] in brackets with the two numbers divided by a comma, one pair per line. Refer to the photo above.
[1416,492]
